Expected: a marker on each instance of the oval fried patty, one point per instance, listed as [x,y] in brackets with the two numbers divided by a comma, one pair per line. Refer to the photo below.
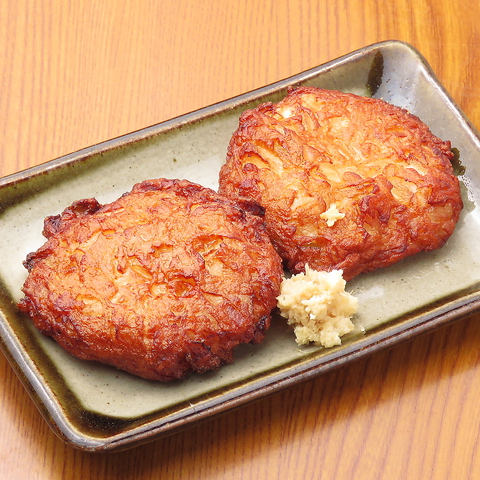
[347,182]
[165,281]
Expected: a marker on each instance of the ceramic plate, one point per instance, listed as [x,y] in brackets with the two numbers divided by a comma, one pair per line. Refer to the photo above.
[96,407]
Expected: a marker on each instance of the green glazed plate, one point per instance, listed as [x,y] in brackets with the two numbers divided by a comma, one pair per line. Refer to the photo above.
[95,407]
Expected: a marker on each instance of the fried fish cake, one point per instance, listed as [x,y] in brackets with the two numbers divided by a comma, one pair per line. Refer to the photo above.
[165,281]
[347,182]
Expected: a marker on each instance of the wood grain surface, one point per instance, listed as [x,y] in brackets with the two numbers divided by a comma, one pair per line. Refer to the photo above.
[77,73]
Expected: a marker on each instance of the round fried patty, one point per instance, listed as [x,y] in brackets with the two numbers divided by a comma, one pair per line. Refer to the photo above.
[347,182]
[166,280]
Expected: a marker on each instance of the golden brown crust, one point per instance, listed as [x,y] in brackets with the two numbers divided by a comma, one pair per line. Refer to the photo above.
[381,166]
[166,280]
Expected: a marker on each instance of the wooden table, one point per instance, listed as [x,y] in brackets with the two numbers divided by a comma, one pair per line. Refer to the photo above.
[76,73]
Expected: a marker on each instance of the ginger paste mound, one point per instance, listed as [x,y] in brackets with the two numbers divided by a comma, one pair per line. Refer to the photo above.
[165,281]
[317,306]
[347,182]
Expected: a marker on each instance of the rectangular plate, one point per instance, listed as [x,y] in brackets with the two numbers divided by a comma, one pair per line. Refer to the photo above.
[96,407]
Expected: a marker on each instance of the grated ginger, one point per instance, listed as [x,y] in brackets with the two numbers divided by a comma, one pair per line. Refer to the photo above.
[317,306]
[331,215]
